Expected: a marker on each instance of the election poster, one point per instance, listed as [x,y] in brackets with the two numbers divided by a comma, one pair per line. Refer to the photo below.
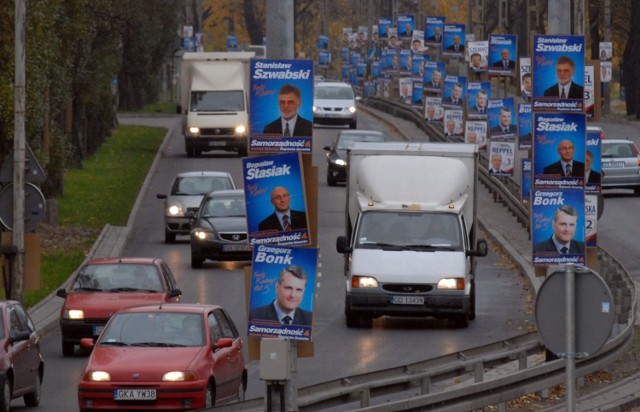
[324,59]
[433,30]
[392,37]
[475,132]
[526,79]
[406,62]
[323,42]
[453,94]
[453,125]
[417,42]
[606,51]
[416,93]
[275,199]
[405,85]
[525,120]
[453,43]
[558,227]
[417,69]
[558,73]
[525,185]
[591,220]
[282,292]
[502,119]
[363,35]
[593,163]
[347,35]
[281,106]
[406,25]
[478,94]
[478,52]
[559,150]
[501,157]
[433,110]
[502,54]
[589,92]
[433,76]
[383,24]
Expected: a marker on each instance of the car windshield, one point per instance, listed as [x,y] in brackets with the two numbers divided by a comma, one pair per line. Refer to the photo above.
[164,329]
[118,277]
[200,185]
[619,150]
[340,93]
[346,139]
[224,207]
[217,101]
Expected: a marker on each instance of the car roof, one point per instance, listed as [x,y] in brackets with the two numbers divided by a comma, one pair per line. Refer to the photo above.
[124,260]
[618,141]
[226,193]
[361,131]
[172,307]
[332,84]
[203,173]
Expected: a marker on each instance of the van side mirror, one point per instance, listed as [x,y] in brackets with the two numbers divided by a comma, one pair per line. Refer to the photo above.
[342,245]
[481,249]
[179,109]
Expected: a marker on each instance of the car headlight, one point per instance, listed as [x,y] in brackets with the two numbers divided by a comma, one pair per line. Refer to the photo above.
[194,131]
[241,129]
[451,283]
[364,282]
[352,109]
[314,108]
[179,376]
[175,210]
[340,162]
[98,376]
[75,314]
[203,235]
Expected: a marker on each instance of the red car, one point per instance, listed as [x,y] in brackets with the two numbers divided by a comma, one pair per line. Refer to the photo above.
[104,286]
[167,357]
[21,364]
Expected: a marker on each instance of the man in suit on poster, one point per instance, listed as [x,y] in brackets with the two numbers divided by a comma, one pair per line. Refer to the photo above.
[565,88]
[564,229]
[567,166]
[290,123]
[283,218]
[504,127]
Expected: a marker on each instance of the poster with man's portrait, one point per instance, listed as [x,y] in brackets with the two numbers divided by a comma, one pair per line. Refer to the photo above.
[525,184]
[433,110]
[453,125]
[475,132]
[433,30]
[525,119]
[502,54]
[502,119]
[454,41]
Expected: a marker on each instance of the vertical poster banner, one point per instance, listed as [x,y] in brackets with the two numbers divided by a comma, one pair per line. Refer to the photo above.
[433,76]
[453,125]
[406,62]
[525,120]
[383,24]
[453,95]
[433,30]
[346,36]
[416,93]
[406,25]
[323,42]
[324,59]
[525,185]
[502,118]
[275,198]
[558,227]
[433,110]
[282,292]
[589,92]
[375,36]
[558,73]
[591,220]
[363,36]
[606,51]
[476,132]
[417,42]
[593,163]
[526,79]
[605,72]
[478,52]
[501,157]
[478,94]
[502,54]
[392,34]
[454,40]
[417,70]
[405,85]
[559,150]
[281,106]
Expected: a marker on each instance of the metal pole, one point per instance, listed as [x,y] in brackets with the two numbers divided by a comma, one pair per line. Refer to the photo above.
[570,320]
[280,36]
[291,386]
[19,151]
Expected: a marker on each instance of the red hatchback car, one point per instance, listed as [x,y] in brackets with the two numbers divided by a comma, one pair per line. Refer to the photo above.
[104,286]
[166,357]
[21,364]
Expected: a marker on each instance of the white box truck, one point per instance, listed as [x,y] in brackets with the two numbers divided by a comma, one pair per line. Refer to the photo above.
[411,226]
[214,101]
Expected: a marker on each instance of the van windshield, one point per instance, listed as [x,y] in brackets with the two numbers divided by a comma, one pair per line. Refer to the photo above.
[409,230]
[217,101]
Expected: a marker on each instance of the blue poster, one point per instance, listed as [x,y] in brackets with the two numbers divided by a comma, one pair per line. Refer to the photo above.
[383,25]
[525,185]
[453,43]
[502,118]
[593,163]
[558,73]
[417,69]
[275,198]
[406,25]
[433,30]
[406,62]
[282,292]
[559,150]
[558,227]
[323,42]
[281,106]
[478,95]
[324,58]
[502,54]
[525,120]
[416,94]
[433,76]
[453,95]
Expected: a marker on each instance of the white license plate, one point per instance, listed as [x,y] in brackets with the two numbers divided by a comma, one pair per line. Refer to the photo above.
[217,143]
[236,248]
[612,164]
[407,300]
[97,330]
[134,395]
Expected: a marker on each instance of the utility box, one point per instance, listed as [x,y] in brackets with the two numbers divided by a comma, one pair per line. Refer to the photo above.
[274,359]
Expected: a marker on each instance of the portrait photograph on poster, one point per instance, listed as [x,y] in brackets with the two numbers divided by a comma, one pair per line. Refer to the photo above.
[502,54]
[433,30]
[524,126]
[454,41]
[502,118]
[478,94]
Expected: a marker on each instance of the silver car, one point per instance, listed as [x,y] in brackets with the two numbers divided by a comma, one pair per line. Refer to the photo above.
[186,193]
[620,165]
[334,103]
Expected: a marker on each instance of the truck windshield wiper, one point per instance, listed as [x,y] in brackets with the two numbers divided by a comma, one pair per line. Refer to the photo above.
[430,247]
[391,246]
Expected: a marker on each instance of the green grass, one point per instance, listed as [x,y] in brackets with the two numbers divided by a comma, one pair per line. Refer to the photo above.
[103,191]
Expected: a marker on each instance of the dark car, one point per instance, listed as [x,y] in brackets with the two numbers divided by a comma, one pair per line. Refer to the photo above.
[337,152]
[22,367]
[620,165]
[219,228]
[104,286]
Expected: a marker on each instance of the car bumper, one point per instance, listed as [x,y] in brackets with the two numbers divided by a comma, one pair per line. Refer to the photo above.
[339,173]
[207,143]
[221,251]
[177,225]
[180,396]
[74,330]
[334,118]
[379,304]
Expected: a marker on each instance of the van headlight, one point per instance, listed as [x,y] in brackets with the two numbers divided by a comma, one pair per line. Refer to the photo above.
[352,109]
[194,131]
[451,284]
[241,129]
[364,282]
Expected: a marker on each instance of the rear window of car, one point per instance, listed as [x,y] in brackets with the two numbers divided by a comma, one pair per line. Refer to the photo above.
[619,150]
[200,185]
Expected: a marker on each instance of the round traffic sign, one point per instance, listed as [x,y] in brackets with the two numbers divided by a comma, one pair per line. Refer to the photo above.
[34,206]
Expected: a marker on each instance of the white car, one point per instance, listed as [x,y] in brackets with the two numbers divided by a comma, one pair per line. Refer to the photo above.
[186,193]
[335,103]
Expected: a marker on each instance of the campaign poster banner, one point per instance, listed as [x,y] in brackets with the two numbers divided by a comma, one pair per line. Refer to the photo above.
[433,110]
[383,24]
[417,42]
[274,187]
[433,30]
[433,76]
[363,35]
[375,35]
[406,24]
[478,94]
[392,34]
[417,70]
[406,62]
[502,155]
[361,70]
[606,51]
[453,125]
[478,52]
[323,42]
[232,43]
[525,120]
[391,61]
[274,312]
[502,54]
[606,70]
[589,92]
[475,132]
[526,79]
[347,33]
[324,58]
[369,89]
[593,163]
[453,94]
[354,59]
[405,85]
[344,54]
[344,72]
[281,98]
[591,220]
[558,73]
[376,71]
[558,141]
[416,93]
[558,227]
[525,185]
[453,43]
[502,118]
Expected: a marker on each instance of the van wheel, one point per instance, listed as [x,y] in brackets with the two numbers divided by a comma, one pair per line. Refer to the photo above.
[357,321]
[169,237]
[67,348]
[472,303]
[461,321]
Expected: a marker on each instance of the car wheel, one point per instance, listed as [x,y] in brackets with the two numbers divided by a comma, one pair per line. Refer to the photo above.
[461,321]
[196,260]
[636,190]
[191,152]
[241,392]
[67,348]
[331,180]
[33,398]
[5,403]
[210,397]
[353,124]
[169,237]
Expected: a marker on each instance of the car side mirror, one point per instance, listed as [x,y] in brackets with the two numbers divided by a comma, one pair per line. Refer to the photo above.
[342,245]
[19,336]
[62,293]
[175,293]
[358,99]
[161,196]
[223,343]
[87,343]
[481,249]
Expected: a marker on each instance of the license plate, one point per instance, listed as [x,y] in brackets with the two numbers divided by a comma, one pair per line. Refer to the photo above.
[217,143]
[134,394]
[612,164]
[407,300]
[97,330]
[236,248]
